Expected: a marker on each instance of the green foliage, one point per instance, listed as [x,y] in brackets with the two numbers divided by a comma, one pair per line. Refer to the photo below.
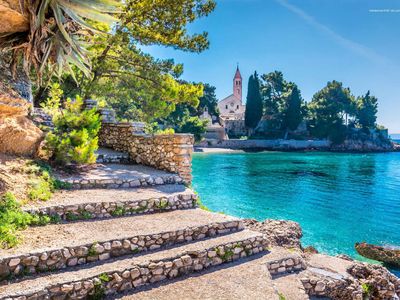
[118,212]
[68,23]
[330,109]
[282,102]
[138,86]
[293,109]
[99,292]
[74,140]
[104,277]
[226,255]
[367,108]
[71,216]
[12,219]
[208,101]
[254,107]
[92,250]
[43,184]
[281,296]
[154,128]
[368,290]
[163,204]
[193,125]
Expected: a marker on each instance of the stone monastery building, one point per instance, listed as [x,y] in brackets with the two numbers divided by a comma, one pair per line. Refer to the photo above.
[232,109]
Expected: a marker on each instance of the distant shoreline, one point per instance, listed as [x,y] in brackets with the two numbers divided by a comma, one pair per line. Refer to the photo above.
[241,146]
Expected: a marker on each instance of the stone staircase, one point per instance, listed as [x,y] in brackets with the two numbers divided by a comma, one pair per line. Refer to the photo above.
[120,227]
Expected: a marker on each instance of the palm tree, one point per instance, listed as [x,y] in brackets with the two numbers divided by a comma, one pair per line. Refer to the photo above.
[47,37]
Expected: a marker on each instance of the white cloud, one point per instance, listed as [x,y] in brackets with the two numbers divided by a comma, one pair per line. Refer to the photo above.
[345,42]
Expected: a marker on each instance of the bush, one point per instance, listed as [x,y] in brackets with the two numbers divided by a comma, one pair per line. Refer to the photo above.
[12,219]
[74,140]
[193,125]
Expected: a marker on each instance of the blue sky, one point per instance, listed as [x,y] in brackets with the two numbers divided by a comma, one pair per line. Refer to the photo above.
[310,41]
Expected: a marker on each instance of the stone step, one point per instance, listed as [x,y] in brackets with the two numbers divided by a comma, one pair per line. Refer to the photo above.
[100,203]
[108,156]
[132,272]
[58,246]
[114,176]
[283,262]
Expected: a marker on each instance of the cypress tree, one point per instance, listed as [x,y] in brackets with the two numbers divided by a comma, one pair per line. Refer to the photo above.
[254,104]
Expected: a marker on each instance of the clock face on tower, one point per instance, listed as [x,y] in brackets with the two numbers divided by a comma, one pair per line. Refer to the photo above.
[232,104]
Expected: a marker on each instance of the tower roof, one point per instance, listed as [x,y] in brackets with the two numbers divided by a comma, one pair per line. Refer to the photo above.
[237,74]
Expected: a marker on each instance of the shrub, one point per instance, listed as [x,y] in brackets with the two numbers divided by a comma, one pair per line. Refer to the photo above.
[12,219]
[193,125]
[74,139]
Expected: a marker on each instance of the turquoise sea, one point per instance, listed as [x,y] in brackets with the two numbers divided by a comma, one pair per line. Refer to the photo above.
[338,199]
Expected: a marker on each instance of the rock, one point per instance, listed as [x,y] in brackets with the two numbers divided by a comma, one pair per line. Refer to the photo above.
[384,254]
[12,17]
[18,134]
[311,250]
[278,232]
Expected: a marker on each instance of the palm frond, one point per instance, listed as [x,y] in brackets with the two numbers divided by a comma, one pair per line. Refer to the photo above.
[58,34]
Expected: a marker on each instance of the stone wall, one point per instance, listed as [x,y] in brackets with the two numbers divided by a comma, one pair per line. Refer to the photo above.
[56,259]
[171,153]
[131,277]
[286,265]
[116,208]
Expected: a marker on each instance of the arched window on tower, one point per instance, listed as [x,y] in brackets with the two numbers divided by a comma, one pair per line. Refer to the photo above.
[226,106]
[237,107]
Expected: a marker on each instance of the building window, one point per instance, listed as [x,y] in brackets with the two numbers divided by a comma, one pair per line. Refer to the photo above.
[237,106]
[226,106]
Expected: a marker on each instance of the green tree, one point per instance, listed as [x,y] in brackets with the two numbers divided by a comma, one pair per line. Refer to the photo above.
[193,125]
[329,110]
[134,83]
[367,108]
[282,102]
[273,87]
[254,106]
[292,113]
[208,100]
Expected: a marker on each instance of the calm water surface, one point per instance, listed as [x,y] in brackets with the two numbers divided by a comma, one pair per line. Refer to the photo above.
[338,199]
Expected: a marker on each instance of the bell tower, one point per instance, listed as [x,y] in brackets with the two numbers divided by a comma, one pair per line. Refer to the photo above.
[237,84]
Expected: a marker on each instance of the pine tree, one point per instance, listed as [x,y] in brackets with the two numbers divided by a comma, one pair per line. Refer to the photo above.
[254,106]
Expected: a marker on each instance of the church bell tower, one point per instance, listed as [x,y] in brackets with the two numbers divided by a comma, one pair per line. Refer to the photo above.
[237,84]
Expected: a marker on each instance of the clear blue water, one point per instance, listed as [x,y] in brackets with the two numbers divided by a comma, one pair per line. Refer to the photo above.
[338,199]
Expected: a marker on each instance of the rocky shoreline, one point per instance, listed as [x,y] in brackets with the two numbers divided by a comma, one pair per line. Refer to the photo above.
[354,280]
[235,146]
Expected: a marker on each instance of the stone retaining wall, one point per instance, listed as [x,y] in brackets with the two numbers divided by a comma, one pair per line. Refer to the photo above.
[286,265]
[147,273]
[333,288]
[171,153]
[107,209]
[114,183]
[55,259]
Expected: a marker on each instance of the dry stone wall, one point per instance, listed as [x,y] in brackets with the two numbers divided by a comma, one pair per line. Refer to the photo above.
[56,259]
[139,275]
[172,152]
[286,265]
[110,209]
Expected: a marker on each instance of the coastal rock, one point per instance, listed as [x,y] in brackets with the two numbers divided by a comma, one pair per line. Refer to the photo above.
[278,232]
[368,145]
[377,280]
[384,254]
